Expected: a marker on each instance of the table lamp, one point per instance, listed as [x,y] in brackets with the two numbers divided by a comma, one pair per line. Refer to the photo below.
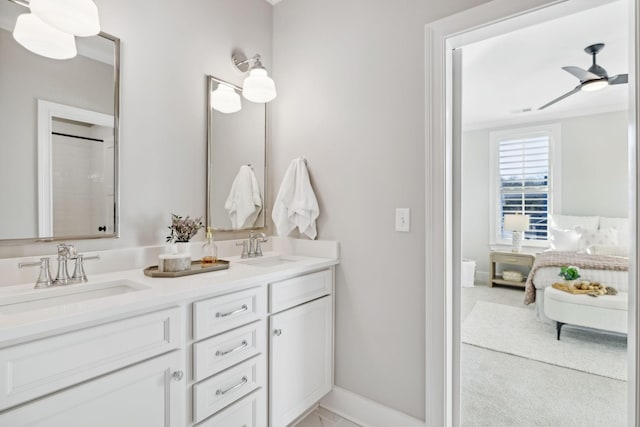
[518,224]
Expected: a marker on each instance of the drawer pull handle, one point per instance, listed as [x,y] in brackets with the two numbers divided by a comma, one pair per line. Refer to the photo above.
[177,375]
[221,392]
[231,313]
[240,347]
[277,332]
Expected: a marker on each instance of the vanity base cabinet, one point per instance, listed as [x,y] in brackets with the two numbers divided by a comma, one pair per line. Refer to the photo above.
[300,359]
[150,394]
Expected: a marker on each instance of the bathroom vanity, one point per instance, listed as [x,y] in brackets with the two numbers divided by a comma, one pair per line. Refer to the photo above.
[247,346]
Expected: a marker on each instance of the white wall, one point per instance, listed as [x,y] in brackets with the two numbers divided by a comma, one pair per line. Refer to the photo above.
[350,78]
[168,48]
[594,176]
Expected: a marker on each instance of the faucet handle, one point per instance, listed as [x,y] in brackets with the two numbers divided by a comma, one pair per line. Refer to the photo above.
[79,276]
[44,279]
[245,251]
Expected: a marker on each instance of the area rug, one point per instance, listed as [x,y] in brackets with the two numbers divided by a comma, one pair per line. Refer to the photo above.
[516,331]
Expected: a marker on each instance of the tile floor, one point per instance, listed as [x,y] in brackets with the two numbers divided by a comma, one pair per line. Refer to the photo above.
[320,417]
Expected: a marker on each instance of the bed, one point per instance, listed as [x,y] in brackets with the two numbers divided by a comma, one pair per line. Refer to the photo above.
[598,246]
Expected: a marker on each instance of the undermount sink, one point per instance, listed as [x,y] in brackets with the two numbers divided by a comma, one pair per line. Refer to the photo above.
[268,261]
[62,295]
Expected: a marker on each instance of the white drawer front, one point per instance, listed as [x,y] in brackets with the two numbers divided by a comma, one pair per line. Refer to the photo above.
[218,353]
[216,315]
[213,394]
[298,290]
[251,411]
[39,367]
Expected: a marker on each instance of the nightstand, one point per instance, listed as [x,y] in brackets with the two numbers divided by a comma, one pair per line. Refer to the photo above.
[508,258]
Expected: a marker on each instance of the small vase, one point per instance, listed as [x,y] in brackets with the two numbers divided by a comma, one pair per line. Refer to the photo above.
[183,248]
[570,283]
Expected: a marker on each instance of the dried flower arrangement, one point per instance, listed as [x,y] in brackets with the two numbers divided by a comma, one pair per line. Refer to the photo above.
[183,229]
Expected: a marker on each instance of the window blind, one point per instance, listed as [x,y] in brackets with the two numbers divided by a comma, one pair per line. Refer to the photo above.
[524,186]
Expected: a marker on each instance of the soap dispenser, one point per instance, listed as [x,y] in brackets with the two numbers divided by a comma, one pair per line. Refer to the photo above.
[209,250]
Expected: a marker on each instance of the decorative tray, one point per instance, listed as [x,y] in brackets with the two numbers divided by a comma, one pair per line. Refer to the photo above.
[196,268]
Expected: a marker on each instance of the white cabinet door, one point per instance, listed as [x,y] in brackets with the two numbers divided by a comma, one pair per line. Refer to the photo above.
[300,361]
[148,394]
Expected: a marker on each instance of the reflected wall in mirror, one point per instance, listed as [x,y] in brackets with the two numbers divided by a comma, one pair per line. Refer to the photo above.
[236,175]
[51,193]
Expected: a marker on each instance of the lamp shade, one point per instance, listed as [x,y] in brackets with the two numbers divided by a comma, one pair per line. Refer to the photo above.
[40,38]
[516,222]
[225,99]
[259,87]
[77,17]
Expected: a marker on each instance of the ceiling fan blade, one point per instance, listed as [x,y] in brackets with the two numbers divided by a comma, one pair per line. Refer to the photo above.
[560,98]
[582,75]
[619,79]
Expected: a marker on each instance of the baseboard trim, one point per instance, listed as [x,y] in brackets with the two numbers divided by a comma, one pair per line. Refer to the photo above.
[365,412]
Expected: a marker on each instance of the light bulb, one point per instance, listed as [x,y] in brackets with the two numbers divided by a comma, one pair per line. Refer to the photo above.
[259,87]
[225,99]
[40,38]
[77,17]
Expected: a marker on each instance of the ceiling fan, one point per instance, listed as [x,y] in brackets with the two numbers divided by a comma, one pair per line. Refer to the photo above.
[590,80]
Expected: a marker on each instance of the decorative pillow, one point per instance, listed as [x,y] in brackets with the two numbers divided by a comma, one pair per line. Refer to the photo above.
[622,251]
[620,224]
[564,240]
[605,237]
[568,222]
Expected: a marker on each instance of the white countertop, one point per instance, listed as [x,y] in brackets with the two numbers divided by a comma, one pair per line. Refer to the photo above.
[161,293]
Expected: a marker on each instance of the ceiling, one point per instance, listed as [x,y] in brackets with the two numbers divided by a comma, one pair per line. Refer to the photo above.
[521,70]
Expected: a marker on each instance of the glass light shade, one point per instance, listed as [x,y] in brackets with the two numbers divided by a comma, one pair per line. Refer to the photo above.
[40,38]
[225,99]
[516,222]
[77,17]
[259,87]
[594,85]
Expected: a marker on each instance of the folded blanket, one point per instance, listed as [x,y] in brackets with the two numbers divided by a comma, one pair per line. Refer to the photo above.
[559,259]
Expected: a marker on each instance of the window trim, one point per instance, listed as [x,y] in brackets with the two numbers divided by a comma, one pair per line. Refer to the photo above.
[554,131]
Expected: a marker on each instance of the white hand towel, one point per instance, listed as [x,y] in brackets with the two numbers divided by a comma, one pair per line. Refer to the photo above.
[244,202]
[296,204]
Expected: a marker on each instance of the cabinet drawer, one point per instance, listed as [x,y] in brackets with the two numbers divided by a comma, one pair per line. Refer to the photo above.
[39,367]
[218,353]
[297,290]
[213,394]
[216,315]
[251,411]
[512,259]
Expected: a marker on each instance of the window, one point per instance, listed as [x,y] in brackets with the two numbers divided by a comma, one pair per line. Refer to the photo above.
[524,180]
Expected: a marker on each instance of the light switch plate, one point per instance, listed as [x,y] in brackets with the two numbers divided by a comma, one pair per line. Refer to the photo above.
[403,219]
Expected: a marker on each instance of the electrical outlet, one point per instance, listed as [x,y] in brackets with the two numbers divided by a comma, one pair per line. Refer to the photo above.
[403,219]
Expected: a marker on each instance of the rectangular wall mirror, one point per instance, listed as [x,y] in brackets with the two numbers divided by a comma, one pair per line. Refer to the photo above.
[59,141]
[236,173]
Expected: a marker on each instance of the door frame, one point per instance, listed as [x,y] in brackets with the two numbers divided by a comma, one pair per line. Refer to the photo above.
[442,192]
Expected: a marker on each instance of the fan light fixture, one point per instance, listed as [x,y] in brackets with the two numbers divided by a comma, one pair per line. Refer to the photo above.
[258,86]
[42,39]
[593,85]
[50,28]
[77,17]
[225,99]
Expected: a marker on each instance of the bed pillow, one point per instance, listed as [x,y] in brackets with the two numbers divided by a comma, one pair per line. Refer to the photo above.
[567,240]
[567,222]
[620,224]
[622,251]
[604,237]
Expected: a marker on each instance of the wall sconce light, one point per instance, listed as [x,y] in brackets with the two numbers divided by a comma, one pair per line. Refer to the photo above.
[50,28]
[258,87]
[518,224]
[225,99]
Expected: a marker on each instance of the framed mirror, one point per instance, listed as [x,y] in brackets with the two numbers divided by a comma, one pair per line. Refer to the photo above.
[59,141]
[236,169]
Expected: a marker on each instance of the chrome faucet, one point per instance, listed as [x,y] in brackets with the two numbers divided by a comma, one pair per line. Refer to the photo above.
[255,239]
[65,253]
